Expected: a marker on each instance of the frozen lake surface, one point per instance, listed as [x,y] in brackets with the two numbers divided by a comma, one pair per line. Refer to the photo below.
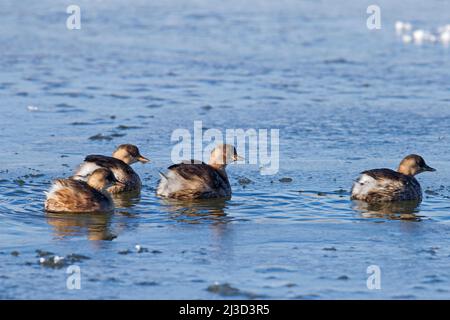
[344,98]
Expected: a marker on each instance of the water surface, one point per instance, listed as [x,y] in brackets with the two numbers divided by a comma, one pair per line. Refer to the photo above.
[344,98]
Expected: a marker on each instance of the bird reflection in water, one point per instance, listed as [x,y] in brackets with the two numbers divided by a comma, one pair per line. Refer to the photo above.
[400,210]
[96,226]
[206,212]
[197,211]
[126,199]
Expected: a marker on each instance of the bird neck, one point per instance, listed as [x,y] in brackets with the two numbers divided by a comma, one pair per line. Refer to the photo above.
[217,166]
[406,170]
[122,156]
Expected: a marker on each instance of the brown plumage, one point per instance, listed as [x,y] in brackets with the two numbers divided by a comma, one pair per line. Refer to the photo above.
[198,180]
[204,182]
[119,164]
[67,195]
[386,185]
[122,171]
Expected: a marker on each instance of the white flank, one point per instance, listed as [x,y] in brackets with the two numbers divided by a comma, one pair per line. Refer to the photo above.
[170,182]
[84,170]
[364,185]
[56,186]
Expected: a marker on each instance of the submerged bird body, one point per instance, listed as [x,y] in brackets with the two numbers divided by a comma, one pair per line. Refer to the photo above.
[198,180]
[68,195]
[119,164]
[194,181]
[122,171]
[383,185]
[386,185]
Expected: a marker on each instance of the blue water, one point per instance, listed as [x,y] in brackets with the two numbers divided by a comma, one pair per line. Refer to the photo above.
[344,98]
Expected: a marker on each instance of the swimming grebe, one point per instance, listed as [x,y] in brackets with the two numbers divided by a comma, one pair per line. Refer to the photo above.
[384,185]
[119,164]
[195,180]
[68,195]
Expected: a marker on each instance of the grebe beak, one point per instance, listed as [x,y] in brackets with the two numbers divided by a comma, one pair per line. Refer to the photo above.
[142,159]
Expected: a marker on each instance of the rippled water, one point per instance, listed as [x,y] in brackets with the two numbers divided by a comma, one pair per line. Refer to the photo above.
[344,98]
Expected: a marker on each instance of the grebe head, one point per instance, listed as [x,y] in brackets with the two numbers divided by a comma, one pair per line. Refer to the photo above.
[129,154]
[101,179]
[223,154]
[414,164]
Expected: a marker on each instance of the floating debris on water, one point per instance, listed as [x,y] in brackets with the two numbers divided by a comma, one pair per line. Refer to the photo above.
[51,260]
[432,279]
[64,105]
[74,257]
[244,181]
[54,262]
[19,182]
[401,27]
[154,105]
[124,127]
[140,249]
[117,135]
[285,180]
[42,253]
[101,137]
[226,290]
[15,253]
[148,283]
[145,116]
[431,192]
[419,36]
[432,251]
[32,108]
[118,96]
[290,285]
